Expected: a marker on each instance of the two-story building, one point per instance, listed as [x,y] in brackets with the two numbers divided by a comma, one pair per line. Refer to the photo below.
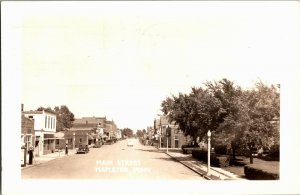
[176,137]
[97,128]
[44,129]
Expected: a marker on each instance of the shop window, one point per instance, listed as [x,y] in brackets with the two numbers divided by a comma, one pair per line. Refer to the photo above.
[57,142]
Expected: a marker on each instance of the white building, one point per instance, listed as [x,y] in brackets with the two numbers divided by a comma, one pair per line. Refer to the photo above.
[45,128]
[119,134]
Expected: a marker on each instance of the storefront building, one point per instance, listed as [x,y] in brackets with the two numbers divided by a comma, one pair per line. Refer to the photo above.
[44,128]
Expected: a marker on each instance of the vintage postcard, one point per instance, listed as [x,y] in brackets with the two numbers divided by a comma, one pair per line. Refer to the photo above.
[150,97]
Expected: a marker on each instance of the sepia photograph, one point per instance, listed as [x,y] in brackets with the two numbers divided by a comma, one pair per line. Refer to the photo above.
[150,97]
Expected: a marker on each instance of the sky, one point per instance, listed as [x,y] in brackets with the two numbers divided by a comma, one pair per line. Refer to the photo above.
[121,60]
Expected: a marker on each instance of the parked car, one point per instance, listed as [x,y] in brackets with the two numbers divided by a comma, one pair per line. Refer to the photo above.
[83,149]
[97,145]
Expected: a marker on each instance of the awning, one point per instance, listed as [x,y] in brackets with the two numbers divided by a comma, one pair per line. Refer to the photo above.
[59,135]
[104,136]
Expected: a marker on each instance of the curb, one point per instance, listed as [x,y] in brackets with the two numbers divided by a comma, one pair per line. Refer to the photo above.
[33,165]
[199,173]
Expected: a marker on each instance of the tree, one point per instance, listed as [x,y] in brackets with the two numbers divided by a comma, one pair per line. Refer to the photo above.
[231,120]
[195,113]
[243,118]
[127,132]
[264,109]
[64,116]
[139,133]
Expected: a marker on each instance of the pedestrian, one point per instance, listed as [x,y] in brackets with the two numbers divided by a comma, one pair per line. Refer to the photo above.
[66,148]
[30,155]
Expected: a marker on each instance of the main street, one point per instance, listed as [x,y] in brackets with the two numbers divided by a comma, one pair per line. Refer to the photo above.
[116,161]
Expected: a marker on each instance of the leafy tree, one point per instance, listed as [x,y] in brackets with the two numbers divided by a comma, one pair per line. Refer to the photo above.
[231,120]
[243,118]
[65,117]
[195,113]
[127,132]
[264,112]
[139,133]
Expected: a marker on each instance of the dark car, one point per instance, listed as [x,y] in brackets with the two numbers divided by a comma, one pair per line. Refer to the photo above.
[97,145]
[83,149]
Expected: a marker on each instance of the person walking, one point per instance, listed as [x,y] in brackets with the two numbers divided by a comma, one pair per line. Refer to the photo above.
[66,148]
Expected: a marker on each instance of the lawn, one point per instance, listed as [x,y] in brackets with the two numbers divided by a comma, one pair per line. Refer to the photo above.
[238,168]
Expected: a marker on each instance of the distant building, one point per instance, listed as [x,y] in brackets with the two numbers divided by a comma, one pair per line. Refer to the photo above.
[96,127]
[119,134]
[176,138]
[150,133]
[44,128]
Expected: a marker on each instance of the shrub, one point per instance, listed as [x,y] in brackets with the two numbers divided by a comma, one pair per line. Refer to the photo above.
[200,154]
[185,146]
[220,149]
[267,171]
[221,161]
[274,151]
[189,150]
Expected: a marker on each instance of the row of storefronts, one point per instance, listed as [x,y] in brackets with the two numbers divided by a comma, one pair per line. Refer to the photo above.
[38,132]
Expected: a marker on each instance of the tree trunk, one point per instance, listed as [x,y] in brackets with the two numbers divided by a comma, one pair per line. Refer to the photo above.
[233,154]
[251,157]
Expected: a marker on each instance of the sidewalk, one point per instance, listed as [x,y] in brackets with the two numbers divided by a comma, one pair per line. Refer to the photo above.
[48,157]
[201,168]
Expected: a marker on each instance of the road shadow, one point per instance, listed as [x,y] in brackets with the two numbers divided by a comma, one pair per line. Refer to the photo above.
[150,150]
[172,159]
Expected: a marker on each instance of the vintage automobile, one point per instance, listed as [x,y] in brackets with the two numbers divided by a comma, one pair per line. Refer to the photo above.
[83,149]
[98,145]
[130,143]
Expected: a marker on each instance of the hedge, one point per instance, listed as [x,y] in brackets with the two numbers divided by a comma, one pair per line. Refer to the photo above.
[219,161]
[274,152]
[267,171]
[221,149]
[189,150]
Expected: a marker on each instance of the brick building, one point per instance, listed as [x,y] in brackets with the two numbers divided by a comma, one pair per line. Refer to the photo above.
[176,138]
[27,132]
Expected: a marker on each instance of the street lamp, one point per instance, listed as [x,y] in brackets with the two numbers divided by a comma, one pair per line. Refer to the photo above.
[208,152]
[73,140]
[168,132]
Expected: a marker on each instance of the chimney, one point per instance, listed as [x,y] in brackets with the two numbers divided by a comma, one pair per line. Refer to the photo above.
[22,107]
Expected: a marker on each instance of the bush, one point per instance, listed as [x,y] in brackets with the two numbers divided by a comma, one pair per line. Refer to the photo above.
[267,171]
[189,150]
[200,154]
[185,146]
[274,151]
[221,161]
[221,149]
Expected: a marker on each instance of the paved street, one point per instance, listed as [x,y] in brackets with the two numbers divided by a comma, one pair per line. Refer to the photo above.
[116,161]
